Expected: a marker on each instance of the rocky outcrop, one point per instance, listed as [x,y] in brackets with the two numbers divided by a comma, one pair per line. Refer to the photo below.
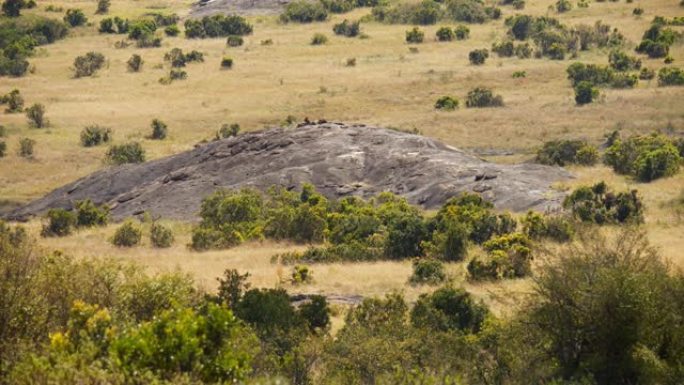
[338,159]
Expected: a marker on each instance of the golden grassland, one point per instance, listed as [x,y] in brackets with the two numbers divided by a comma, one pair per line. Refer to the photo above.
[389,86]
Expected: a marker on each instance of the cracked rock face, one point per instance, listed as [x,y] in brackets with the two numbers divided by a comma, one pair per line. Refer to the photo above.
[338,159]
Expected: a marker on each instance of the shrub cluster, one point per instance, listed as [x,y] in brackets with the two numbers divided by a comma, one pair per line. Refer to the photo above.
[429,12]
[447,103]
[159,130]
[557,227]
[131,152]
[319,39]
[61,222]
[478,56]
[234,41]
[179,59]
[161,236]
[13,100]
[127,235]
[114,25]
[302,11]
[135,63]
[75,17]
[386,227]
[414,36]
[347,28]
[20,37]
[427,271]
[556,40]
[481,97]
[657,40]
[645,157]
[562,152]
[228,130]
[670,76]
[597,75]
[26,147]
[508,48]
[217,26]
[508,256]
[95,135]
[88,64]
[36,116]
[597,204]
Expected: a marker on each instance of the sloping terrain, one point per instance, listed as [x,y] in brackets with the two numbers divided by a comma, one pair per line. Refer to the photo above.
[338,159]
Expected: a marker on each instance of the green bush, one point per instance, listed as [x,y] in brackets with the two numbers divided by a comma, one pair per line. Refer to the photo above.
[159,130]
[36,116]
[75,17]
[14,101]
[656,41]
[21,36]
[478,56]
[555,227]
[425,12]
[620,61]
[562,152]
[127,235]
[175,74]
[462,32]
[172,30]
[585,93]
[304,12]
[26,147]
[3,148]
[339,6]
[60,223]
[301,274]
[228,130]
[644,157]
[12,8]
[481,97]
[347,28]
[88,214]
[414,36]
[646,74]
[234,41]
[209,344]
[135,63]
[179,59]
[469,11]
[319,39]
[217,26]
[88,64]
[227,62]
[563,6]
[448,103]
[670,76]
[161,236]
[445,34]
[95,135]
[449,309]
[316,313]
[503,49]
[596,204]
[131,152]
[514,250]
[102,7]
[427,271]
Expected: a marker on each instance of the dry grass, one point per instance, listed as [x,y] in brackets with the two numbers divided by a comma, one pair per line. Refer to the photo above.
[366,279]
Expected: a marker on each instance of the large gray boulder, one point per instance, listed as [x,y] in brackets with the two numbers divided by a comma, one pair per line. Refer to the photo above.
[338,159]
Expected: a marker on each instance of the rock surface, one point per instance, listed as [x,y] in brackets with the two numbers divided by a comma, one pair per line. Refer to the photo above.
[239,7]
[338,159]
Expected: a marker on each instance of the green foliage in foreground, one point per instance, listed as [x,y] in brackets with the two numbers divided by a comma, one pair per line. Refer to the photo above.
[646,157]
[98,321]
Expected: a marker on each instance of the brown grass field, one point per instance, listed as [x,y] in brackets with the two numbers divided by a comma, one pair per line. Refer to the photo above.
[389,86]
